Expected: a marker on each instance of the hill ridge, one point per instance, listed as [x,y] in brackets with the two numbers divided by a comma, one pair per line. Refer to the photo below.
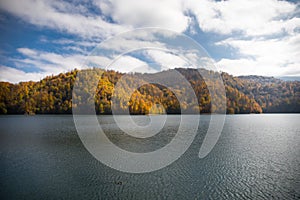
[244,94]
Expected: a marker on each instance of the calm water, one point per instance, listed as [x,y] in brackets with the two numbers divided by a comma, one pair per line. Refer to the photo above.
[256,157]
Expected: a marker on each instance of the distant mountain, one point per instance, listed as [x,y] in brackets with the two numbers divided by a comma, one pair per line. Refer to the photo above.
[289,78]
[261,79]
[272,94]
[244,94]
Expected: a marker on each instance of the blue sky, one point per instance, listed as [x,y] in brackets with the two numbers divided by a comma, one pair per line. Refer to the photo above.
[40,38]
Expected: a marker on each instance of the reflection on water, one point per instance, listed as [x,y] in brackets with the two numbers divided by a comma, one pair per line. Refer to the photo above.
[257,157]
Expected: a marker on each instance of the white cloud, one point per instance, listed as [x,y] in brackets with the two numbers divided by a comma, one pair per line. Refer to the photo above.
[45,63]
[250,24]
[247,24]
[239,66]
[166,59]
[122,44]
[147,13]
[255,17]
[52,63]
[61,16]
[128,64]
[265,57]
[252,18]
[125,63]
[283,49]
[251,67]
[26,51]
[48,61]
[13,75]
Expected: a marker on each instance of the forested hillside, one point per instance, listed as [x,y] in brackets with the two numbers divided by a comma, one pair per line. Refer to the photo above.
[245,94]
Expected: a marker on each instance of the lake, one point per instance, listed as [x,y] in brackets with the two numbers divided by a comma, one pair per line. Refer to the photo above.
[256,157]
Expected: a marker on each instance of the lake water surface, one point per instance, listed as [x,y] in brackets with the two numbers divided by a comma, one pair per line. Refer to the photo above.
[256,157]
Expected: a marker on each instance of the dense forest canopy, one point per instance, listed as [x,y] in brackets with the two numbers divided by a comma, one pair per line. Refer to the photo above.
[244,94]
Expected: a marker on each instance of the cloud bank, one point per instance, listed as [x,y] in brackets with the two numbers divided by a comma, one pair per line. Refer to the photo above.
[261,35]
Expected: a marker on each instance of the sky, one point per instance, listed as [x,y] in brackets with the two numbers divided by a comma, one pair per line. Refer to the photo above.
[244,37]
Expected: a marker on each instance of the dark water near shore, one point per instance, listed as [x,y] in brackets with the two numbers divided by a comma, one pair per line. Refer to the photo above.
[256,157]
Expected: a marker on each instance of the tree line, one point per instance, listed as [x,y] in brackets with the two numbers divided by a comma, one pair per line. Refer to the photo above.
[246,94]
